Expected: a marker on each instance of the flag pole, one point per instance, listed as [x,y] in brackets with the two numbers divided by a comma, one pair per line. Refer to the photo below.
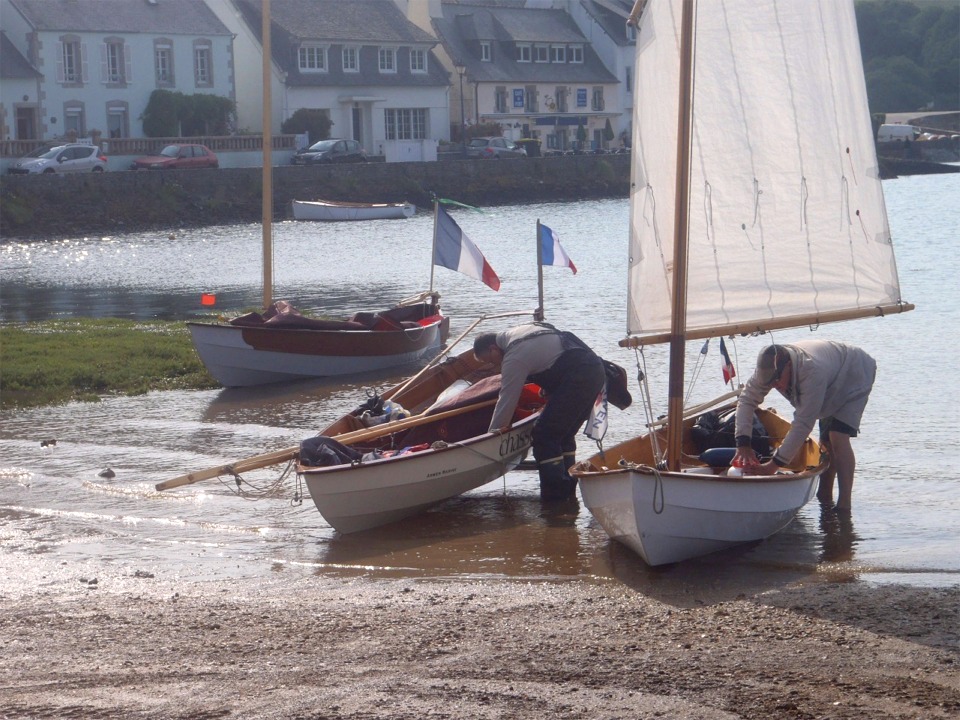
[539,313]
[433,252]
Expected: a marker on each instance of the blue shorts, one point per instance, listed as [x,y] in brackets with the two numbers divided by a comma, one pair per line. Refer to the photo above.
[831,424]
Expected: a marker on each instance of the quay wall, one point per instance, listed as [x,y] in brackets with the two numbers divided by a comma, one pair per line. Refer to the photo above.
[56,206]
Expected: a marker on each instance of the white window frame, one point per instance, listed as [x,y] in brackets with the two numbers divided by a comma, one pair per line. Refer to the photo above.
[596,99]
[312,58]
[576,54]
[558,53]
[161,49]
[405,123]
[351,59]
[115,61]
[418,61]
[486,54]
[524,52]
[203,63]
[71,53]
[387,60]
[541,53]
[74,110]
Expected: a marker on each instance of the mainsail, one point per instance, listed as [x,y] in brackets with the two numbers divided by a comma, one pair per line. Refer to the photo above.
[786,223]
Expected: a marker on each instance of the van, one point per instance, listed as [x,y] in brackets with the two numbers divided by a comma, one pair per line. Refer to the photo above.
[891,133]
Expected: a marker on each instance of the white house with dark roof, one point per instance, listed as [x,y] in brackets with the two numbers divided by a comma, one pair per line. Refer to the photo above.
[364,64]
[530,69]
[101,59]
[19,93]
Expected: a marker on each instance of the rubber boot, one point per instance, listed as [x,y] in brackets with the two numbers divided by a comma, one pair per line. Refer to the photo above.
[569,460]
[555,483]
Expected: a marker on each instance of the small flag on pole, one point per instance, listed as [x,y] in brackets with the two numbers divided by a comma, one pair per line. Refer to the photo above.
[729,373]
[552,252]
[456,251]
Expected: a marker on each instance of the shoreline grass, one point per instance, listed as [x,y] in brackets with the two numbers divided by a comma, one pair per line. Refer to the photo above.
[84,359]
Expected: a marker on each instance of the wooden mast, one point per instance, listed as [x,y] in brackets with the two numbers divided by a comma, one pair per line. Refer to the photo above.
[678,324]
[267,207]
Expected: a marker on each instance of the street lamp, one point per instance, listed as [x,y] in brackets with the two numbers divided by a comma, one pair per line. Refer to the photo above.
[461,71]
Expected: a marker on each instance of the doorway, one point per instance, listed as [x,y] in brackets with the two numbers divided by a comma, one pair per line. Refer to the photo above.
[357,121]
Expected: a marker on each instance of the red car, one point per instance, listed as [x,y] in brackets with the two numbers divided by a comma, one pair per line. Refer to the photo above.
[178,156]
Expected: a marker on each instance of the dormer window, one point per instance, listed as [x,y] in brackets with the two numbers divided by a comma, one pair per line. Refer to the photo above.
[312,58]
[541,53]
[388,60]
[418,61]
[486,54]
[523,53]
[558,53]
[351,60]
[575,54]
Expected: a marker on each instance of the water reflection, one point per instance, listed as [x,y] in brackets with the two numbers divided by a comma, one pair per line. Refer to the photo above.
[839,538]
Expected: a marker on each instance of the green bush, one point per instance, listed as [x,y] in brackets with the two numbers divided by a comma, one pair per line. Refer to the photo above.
[316,123]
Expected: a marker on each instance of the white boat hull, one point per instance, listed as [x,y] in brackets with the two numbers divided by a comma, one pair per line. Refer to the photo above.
[668,517]
[334,211]
[239,356]
[352,498]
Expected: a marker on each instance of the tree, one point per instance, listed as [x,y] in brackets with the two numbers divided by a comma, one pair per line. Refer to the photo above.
[608,131]
[316,123]
[173,114]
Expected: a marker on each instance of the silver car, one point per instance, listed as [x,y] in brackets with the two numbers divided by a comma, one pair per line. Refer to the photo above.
[494,148]
[61,159]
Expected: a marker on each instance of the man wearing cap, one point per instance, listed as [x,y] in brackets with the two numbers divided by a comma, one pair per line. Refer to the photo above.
[824,380]
[569,373]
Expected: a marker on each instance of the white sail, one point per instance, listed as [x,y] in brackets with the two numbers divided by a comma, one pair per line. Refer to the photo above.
[786,216]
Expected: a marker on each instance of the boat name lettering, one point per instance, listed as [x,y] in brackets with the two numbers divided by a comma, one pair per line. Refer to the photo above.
[441,473]
[514,442]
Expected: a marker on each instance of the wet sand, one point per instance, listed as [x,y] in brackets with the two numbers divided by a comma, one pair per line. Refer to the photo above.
[97,640]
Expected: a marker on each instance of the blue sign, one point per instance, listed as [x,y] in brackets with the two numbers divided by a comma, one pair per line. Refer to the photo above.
[581,97]
[518,97]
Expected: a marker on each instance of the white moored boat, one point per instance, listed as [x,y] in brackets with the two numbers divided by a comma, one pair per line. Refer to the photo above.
[336,210]
[755,206]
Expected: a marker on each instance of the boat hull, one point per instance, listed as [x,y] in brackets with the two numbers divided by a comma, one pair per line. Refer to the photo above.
[238,356]
[671,516]
[668,517]
[353,498]
[335,211]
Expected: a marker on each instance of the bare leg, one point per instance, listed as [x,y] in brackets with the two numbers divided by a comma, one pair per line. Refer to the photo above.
[825,489]
[844,463]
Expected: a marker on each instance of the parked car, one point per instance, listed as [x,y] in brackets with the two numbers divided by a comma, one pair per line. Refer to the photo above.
[61,159]
[334,150]
[494,148]
[178,156]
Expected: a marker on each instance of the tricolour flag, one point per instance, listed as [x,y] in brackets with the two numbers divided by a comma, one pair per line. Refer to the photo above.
[456,251]
[552,253]
[729,373]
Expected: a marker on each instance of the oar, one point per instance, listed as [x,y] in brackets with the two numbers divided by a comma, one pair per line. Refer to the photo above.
[278,456]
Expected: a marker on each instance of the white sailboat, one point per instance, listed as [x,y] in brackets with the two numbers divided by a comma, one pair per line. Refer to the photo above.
[755,205]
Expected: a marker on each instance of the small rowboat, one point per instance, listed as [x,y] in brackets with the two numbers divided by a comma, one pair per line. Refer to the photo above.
[336,210]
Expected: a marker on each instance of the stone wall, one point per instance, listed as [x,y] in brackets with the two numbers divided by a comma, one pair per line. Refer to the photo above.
[34,206]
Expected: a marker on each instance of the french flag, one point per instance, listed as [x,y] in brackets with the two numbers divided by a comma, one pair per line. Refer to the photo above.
[452,249]
[552,253]
[729,373]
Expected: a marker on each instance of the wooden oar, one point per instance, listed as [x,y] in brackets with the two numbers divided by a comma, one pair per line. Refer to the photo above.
[279,456]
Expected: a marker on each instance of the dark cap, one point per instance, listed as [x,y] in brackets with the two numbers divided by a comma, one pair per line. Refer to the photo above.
[770,364]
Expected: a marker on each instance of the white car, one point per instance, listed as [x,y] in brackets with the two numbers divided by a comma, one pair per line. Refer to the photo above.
[61,159]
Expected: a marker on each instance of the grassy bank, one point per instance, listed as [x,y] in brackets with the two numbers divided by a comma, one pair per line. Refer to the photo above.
[58,361]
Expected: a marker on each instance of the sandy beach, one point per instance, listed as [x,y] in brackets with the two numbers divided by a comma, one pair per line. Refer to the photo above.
[99,641]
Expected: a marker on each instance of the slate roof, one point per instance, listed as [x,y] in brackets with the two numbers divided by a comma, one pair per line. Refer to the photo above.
[12,63]
[368,24]
[165,17]
[612,22]
[464,25]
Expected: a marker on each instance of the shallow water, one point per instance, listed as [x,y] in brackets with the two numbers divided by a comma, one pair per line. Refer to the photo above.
[55,507]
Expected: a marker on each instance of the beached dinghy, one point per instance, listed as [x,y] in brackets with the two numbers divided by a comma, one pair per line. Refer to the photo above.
[755,205]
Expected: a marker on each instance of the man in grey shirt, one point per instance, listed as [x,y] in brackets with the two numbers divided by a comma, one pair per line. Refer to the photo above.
[823,380]
[571,376]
